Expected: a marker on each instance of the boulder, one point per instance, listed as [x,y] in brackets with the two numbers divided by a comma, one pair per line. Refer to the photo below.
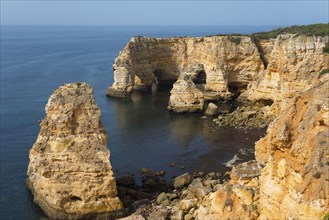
[182,180]
[69,174]
[246,170]
[212,109]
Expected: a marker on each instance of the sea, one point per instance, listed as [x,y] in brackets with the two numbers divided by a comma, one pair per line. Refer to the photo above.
[35,60]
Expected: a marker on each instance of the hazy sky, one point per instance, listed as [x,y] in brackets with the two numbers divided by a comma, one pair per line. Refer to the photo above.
[261,12]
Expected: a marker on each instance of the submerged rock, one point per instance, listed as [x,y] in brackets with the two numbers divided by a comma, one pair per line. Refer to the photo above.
[69,174]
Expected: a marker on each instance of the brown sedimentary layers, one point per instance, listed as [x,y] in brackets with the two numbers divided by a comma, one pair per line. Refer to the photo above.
[69,174]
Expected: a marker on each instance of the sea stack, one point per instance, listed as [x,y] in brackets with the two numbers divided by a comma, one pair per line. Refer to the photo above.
[69,174]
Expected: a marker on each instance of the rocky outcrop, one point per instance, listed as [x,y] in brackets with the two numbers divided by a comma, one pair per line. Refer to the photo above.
[185,96]
[294,63]
[69,174]
[295,180]
[218,62]
[272,70]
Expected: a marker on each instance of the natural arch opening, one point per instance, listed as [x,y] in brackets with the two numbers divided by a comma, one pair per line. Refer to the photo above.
[164,78]
[200,77]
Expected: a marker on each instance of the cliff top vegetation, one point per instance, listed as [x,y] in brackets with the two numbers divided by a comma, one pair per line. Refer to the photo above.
[312,29]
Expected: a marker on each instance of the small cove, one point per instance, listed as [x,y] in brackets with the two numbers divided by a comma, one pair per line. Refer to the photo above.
[141,132]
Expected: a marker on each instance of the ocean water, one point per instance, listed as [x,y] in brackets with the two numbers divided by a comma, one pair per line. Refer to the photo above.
[35,60]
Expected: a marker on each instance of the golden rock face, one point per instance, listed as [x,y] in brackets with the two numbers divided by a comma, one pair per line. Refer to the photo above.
[223,60]
[69,173]
[294,181]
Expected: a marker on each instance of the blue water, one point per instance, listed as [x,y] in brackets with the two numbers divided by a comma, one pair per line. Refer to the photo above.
[141,132]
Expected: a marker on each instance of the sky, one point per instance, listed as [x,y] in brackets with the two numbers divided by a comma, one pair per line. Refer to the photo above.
[172,12]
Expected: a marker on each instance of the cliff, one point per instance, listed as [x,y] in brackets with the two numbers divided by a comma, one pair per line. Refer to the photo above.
[218,62]
[294,63]
[295,180]
[291,177]
[69,173]
[272,70]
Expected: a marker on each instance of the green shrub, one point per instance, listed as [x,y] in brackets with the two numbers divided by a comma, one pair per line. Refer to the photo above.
[235,39]
[326,48]
[228,202]
[325,71]
[310,30]
[326,216]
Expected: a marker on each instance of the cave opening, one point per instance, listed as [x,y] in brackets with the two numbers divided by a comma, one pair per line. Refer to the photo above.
[200,77]
[163,80]
[236,88]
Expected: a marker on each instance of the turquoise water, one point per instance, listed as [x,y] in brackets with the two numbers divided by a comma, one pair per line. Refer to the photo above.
[142,133]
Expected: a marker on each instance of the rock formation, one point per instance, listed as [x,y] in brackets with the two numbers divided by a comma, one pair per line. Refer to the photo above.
[218,62]
[69,174]
[295,180]
[267,71]
[185,96]
[294,63]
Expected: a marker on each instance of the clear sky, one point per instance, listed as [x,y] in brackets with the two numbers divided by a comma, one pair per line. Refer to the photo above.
[153,12]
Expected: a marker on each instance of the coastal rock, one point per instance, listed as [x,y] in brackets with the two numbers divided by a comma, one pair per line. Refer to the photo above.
[182,180]
[69,173]
[217,63]
[212,109]
[246,171]
[294,63]
[185,96]
[294,181]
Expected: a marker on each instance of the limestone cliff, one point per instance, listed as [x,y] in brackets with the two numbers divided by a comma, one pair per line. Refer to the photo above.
[295,180]
[264,70]
[69,174]
[294,63]
[218,62]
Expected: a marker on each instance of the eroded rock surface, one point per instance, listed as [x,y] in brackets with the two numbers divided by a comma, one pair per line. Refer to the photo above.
[295,181]
[185,96]
[217,61]
[69,174]
[294,63]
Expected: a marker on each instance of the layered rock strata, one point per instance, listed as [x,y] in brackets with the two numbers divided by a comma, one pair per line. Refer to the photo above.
[272,70]
[69,173]
[294,63]
[295,180]
[218,62]
[185,96]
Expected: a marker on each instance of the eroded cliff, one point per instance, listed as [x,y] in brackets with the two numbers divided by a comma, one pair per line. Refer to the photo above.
[218,62]
[290,179]
[69,173]
[272,70]
[294,63]
[294,180]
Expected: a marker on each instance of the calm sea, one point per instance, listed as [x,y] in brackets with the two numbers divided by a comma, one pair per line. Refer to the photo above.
[141,132]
